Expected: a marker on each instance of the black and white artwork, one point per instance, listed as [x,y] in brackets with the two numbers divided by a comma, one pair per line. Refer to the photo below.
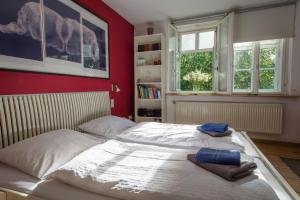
[62,31]
[53,36]
[94,46]
[20,29]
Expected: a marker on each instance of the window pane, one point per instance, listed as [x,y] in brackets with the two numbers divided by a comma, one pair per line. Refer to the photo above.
[206,40]
[267,79]
[243,59]
[243,66]
[196,71]
[267,57]
[268,65]
[188,42]
[243,80]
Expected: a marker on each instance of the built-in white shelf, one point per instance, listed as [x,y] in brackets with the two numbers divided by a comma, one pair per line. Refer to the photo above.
[148,52]
[148,66]
[148,119]
[148,83]
[149,75]
[144,99]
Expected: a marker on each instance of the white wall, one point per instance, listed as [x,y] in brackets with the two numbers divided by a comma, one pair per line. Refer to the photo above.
[295,71]
[291,126]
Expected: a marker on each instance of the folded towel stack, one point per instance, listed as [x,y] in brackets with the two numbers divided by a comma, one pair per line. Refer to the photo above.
[217,156]
[215,129]
[225,163]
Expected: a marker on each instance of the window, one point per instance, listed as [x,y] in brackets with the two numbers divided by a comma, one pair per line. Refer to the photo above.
[243,67]
[196,55]
[204,57]
[188,42]
[257,66]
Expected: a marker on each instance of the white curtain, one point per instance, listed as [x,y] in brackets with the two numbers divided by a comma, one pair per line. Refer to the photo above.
[266,24]
[173,63]
[224,57]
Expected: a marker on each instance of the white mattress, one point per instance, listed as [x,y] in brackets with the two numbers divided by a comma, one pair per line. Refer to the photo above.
[16,180]
[178,136]
[265,173]
[13,179]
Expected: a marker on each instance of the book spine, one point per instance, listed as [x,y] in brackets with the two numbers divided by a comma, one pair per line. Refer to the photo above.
[152,93]
[156,93]
[139,91]
[143,91]
[147,92]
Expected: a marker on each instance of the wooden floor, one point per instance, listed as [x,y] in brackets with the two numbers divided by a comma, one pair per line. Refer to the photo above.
[273,151]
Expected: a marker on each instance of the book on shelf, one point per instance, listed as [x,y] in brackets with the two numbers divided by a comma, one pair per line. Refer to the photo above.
[146,92]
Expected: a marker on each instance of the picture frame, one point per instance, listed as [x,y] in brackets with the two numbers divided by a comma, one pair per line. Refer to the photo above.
[79,48]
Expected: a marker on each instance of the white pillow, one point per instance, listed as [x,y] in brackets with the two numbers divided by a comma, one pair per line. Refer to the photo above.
[40,155]
[109,126]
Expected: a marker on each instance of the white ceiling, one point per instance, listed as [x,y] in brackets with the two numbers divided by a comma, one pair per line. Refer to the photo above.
[142,11]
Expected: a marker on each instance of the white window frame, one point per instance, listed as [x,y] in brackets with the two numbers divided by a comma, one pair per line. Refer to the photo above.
[213,50]
[197,33]
[251,69]
[280,75]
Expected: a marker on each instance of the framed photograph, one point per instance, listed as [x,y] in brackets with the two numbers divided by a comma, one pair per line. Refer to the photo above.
[62,32]
[53,36]
[94,46]
[17,33]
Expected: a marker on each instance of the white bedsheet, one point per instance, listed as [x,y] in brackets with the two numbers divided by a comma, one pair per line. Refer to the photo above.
[13,179]
[133,172]
[179,136]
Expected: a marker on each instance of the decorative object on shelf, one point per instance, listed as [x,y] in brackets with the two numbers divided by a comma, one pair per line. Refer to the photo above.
[150,60]
[156,46]
[149,47]
[63,38]
[141,48]
[157,62]
[141,61]
[145,112]
[150,29]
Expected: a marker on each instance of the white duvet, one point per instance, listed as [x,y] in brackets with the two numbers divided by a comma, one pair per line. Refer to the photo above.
[143,172]
[179,136]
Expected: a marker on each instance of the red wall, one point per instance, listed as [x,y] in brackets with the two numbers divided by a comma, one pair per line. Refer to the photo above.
[121,35]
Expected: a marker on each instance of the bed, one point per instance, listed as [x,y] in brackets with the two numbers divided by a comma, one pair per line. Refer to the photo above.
[27,116]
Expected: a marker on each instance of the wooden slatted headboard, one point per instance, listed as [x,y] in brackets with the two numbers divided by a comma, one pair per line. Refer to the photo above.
[25,116]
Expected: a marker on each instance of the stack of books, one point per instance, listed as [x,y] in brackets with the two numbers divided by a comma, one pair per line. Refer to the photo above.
[146,92]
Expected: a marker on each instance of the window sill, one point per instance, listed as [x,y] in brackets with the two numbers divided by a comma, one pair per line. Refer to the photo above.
[231,95]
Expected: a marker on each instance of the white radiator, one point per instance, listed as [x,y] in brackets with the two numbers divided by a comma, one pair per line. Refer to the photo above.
[251,117]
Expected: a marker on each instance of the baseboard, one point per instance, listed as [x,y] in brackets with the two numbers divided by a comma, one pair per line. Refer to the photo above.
[265,141]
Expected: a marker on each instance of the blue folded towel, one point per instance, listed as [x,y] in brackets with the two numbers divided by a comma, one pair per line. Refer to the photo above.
[215,127]
[217,156]
[213,133]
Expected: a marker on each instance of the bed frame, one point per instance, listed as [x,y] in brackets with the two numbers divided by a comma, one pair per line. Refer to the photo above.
[25,116]
[292,193]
